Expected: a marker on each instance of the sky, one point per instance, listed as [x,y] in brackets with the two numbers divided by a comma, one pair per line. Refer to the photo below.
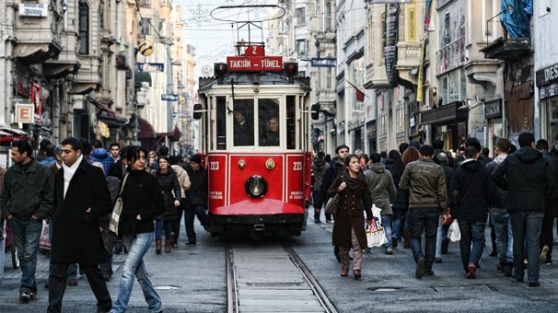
[214,39]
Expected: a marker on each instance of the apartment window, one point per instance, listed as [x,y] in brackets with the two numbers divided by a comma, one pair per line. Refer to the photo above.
[145,26]
[400,120]
[83,28]
[301,16]
[328,17]
[301,47]
[329,78]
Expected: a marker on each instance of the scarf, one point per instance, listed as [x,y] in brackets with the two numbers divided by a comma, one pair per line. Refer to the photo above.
[69,172]
[353,183]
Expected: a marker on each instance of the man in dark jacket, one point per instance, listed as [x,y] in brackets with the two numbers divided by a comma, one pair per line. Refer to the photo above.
[335,170]
[426,184]
[196,199]
[527,177]
[26,199]
[471,193]
[81,199]
[319,168]
[499,212]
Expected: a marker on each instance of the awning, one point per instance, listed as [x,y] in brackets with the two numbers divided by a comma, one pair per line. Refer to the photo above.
[12,131]
[102,107]
[174,135]
[146,130]
[445,113]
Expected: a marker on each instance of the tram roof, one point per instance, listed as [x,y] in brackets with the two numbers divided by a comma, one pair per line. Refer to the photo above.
[252,78]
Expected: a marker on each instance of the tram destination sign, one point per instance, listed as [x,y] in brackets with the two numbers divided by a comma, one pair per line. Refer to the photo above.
[255,63]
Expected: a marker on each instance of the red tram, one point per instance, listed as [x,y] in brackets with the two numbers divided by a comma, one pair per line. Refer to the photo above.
[255,134]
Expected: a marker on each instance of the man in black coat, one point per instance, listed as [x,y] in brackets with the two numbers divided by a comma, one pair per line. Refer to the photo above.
[81,198]
[471,192]
[196,199]
[527,177]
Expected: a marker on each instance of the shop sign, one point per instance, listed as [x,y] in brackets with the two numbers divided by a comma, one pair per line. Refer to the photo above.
[548,91]
[547,75]
[371,130]
[33,9]
[493,109]
[24,113]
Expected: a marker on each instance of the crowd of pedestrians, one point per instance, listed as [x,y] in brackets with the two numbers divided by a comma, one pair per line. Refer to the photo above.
[420,189]
[71,188]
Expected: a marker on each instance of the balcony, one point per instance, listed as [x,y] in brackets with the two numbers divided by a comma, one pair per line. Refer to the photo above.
[326,99]
[88,77]
[451,56]
[408,60]
[36,41]
[67,62]
[508,49]
[376,76]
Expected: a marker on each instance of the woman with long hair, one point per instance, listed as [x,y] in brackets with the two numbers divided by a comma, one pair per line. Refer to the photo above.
[142,201]
[348,230]
[171,196]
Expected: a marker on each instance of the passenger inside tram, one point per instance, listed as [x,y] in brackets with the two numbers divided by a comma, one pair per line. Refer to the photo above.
[271,136]
[243,129]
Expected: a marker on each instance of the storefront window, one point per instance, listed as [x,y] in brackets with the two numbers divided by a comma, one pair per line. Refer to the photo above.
[552,119]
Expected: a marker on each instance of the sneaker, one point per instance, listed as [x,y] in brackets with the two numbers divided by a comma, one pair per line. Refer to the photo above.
[419,271]
[329,221]
[389,250]
[542,257]
[317,221]
[471,271]
[25,296]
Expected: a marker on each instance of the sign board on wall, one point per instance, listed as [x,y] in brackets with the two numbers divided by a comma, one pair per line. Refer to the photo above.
[25,113]
[33,9]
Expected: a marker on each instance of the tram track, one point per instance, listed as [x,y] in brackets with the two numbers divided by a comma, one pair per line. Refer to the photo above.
[273,276]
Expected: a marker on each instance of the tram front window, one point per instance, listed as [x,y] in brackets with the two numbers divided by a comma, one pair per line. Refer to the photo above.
[243,125]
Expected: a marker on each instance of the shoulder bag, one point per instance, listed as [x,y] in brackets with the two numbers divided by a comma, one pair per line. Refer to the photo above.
[117,211]
[333,203]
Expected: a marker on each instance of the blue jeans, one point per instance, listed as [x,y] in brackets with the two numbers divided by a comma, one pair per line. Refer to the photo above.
[441,236]
[134,267]
[504,234]
[159,226]
[471,232]
[386,224]
[26,238]
[526,227]
[398,223]
[419,221]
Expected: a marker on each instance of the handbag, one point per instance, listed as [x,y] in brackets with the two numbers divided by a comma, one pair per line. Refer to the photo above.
[454,234]
[375,234]
[332,204]
[44,240]
[117,211]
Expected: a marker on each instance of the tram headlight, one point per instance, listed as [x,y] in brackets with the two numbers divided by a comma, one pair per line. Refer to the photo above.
[256,186]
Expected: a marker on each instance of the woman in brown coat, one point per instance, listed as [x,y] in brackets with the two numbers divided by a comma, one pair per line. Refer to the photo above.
[348,230]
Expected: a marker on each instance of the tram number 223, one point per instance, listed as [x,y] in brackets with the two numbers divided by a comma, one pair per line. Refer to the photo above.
[297,166]
[213,166]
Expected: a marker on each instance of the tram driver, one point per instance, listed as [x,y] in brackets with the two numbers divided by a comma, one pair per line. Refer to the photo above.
[243,131]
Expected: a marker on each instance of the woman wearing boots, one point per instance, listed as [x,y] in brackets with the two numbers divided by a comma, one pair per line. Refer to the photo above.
[172,196]
[142,201]
[348,229]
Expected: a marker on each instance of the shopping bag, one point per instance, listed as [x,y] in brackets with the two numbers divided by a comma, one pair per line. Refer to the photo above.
[454,234]
[117,211]
[375,234]
[44,240]
[332,204]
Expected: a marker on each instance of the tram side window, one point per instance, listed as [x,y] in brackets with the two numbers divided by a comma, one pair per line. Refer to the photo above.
[221,123]
[290,122]
[243,123]
[268,112]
